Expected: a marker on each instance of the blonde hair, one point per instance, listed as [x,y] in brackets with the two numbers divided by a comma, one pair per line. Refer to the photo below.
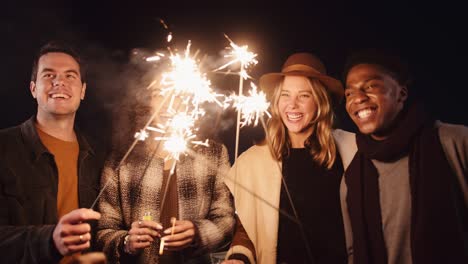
[320,143]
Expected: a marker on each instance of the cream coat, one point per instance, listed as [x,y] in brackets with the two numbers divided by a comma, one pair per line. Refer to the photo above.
[255,181]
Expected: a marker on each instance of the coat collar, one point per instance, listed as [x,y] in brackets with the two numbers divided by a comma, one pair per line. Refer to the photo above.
[33,141]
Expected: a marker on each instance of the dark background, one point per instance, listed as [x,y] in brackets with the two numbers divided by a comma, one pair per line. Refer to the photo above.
[428,35]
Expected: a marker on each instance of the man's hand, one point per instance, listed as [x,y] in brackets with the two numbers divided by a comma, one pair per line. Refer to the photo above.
[141,235]
[184,234]
[72,234]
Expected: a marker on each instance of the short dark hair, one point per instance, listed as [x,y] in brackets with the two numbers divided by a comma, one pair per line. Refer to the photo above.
[56,46]
[389,62]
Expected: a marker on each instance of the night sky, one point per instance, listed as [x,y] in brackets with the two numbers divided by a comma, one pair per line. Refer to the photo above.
[428,35]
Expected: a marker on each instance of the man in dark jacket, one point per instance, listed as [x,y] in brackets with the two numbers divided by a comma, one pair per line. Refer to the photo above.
[47,169]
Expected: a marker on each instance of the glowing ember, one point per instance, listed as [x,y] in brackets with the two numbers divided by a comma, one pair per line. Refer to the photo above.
[251,107]
[240,54]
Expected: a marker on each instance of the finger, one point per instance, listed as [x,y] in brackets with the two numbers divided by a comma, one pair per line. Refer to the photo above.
[77,248]
[144,231]
[142,238]
[80,215]
[174,246]
[74,230]
[180,236]
[179,227]
[76,240]
[141,245]
[150,224]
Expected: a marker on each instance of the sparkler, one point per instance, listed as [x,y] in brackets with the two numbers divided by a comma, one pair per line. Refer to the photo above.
[252,107]
[183,83]
[240,54]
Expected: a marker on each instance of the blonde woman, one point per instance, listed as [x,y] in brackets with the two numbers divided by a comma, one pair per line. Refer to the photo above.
[303,152]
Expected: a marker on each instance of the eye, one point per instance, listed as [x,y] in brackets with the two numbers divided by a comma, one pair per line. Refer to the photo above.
[284,94]
[369,87]
[71,76]
[305,96]
[372,85]
[48,75]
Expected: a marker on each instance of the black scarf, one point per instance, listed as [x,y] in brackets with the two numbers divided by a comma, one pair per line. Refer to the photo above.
[436,235]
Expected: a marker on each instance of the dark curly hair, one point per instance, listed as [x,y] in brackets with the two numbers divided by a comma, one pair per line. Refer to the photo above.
[390,63]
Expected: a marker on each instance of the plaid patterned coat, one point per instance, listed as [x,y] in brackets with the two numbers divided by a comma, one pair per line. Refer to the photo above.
[135,188]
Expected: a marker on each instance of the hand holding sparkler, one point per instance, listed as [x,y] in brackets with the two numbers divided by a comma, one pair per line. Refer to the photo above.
[141,235]
[179,236]
[162,243]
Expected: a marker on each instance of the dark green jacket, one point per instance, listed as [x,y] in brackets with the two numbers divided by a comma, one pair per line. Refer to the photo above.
[28,193]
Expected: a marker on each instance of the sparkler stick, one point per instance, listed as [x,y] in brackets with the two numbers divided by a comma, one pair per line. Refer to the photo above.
[167,185]
[161,246]
[245,58]
[241,84]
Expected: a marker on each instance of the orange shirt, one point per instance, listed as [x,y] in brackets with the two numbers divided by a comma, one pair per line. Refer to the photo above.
[66,158]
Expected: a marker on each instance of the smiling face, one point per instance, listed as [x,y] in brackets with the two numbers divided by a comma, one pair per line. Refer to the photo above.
[58,88]
[297,107]
[373,99]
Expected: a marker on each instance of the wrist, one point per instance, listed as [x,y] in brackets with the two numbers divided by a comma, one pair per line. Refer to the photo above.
[126,245]
[54,252]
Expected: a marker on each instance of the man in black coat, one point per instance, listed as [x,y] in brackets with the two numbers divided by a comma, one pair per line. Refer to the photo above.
[49,174]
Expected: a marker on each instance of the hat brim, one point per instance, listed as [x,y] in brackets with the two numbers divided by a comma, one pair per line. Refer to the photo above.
[268,82]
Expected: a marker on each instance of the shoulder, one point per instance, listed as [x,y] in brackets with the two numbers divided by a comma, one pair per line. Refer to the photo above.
[256,151]
[255,156]
[9,131]
[452,131]
[454,140]
[10,135]
[341,135]
[346,145]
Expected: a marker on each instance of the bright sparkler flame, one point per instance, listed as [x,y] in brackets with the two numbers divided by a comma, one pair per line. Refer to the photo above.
[242,55]
[175,145]
[185,79]
[251,107]
[182,122]
[186,85]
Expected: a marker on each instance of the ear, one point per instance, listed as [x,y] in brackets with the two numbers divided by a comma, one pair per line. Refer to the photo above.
[32,88]
[83,91]
[403,95]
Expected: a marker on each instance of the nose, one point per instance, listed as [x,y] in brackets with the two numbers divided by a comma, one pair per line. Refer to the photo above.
[58,80]
[360,97]
[293,102]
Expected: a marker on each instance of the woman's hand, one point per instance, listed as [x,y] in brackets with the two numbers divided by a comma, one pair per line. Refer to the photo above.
[183,235]
[141,235]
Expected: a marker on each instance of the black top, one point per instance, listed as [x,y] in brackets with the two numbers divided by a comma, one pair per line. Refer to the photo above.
[315,192]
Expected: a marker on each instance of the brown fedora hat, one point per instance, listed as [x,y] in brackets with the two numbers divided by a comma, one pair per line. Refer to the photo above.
[302,64]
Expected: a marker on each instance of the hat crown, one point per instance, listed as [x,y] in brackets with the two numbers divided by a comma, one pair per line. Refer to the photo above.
[303,61]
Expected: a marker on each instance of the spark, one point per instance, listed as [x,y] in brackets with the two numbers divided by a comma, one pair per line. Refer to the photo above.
[185,79]
[251,107]
[239,54]
[185,85]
